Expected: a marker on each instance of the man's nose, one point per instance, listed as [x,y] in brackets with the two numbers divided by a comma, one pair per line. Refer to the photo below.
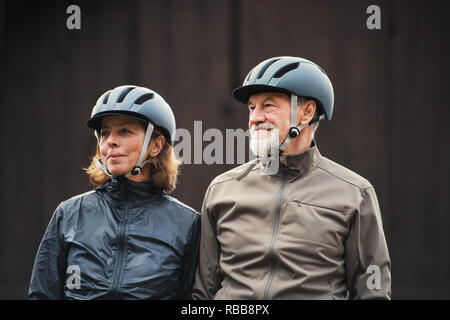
[256,116]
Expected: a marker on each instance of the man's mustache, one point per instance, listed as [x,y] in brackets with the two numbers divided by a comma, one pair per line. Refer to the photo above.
[264,126]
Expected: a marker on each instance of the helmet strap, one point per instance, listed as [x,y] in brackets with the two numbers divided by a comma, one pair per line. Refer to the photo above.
[295,130]
[101,166]
[138,167]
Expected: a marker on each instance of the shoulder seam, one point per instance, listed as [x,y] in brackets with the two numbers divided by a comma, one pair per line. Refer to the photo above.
[222,181]
[231,178]
[175,201]
[360,188]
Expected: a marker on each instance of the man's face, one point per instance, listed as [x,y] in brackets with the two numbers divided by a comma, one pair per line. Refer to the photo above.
[269,120]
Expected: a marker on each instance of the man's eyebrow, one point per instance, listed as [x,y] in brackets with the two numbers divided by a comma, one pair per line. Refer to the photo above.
[269,98]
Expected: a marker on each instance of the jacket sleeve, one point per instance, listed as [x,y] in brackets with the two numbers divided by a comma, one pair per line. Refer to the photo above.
[190,261]
[207,280]
[367,257]
[47,278]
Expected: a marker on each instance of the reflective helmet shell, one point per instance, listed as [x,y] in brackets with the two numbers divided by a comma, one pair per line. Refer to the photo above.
[289,75]
[135,102]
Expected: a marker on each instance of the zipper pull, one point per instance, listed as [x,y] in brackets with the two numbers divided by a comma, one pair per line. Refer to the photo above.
[298,203]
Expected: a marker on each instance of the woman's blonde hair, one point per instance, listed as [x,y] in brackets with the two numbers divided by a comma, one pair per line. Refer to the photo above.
[164,168]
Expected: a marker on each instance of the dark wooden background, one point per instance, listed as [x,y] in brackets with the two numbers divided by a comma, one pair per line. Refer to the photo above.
[390,123]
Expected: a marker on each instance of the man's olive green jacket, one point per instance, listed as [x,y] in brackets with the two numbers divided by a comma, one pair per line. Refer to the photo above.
[312,231]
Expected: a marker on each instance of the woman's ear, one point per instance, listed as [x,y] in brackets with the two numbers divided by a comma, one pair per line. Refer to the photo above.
[156,145]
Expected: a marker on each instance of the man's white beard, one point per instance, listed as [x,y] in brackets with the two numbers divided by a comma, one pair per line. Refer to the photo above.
[264,142]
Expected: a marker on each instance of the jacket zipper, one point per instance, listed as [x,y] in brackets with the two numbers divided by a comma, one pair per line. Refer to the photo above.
[121,251]
[276,229]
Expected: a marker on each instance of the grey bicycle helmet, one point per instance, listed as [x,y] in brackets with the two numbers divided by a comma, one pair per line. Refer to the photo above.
[295,77]
[138,103]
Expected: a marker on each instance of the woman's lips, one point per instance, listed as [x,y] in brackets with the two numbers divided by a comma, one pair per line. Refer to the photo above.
[115,157]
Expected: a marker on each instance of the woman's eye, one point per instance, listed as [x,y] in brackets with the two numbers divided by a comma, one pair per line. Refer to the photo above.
[125,131]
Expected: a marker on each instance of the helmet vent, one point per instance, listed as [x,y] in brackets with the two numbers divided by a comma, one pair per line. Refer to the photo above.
[124,93]
[144,98]
[286,69]
[105,99]
[264,68]
[249,74]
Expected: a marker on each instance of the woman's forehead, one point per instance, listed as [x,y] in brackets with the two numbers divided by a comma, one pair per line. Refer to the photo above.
[116,121]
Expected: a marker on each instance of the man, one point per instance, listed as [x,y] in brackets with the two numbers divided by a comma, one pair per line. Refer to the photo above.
[310,230]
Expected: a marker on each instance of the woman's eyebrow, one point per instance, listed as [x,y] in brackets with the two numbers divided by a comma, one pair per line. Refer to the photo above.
[131,125]
[122,124]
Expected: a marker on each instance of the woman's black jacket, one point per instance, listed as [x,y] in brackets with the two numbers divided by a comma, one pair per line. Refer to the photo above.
[123,240]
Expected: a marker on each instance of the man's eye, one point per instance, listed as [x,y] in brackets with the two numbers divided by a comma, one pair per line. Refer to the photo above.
[103,133]
[251,108]
[268,105]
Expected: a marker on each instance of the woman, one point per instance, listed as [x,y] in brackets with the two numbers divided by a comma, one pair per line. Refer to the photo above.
[127,239]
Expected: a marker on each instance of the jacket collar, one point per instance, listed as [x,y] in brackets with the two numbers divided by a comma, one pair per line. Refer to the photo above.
[130,191]
[303,161]
[299,163]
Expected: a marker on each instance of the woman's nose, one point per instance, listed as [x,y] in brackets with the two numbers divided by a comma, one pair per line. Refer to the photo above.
[112,141]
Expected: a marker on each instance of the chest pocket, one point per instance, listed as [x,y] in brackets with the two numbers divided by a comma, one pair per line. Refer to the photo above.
[305,222]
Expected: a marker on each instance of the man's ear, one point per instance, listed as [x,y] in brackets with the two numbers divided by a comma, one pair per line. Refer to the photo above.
[156,145]
[307,111]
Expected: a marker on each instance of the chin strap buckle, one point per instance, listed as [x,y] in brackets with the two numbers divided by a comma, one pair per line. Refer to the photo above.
[136,170]
[294,132]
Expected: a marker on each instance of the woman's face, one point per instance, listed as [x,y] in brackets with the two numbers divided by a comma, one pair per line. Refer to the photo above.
[120,143]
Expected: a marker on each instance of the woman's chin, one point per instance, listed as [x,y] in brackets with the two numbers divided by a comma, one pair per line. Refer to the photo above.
[118,171]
